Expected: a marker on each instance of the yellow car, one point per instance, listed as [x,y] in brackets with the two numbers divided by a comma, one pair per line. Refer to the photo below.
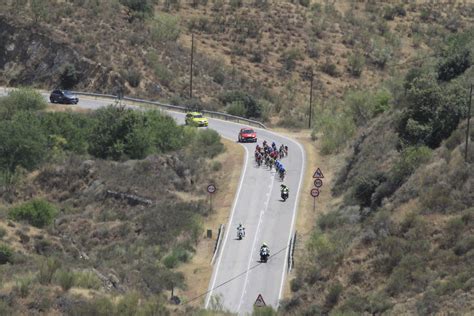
[196,119]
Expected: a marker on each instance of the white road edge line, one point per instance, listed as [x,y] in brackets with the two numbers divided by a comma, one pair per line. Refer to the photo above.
[295,209]
[254,241]
[244,170]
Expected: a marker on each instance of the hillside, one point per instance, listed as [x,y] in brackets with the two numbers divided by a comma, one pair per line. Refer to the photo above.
[85,226]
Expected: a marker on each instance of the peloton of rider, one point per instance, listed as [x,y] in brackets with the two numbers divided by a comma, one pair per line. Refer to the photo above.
[274,146]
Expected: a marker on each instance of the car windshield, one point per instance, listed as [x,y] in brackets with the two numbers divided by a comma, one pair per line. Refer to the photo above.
[198,116]
[68,93]
[248,131]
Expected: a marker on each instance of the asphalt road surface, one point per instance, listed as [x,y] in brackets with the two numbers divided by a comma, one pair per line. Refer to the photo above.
[238,276]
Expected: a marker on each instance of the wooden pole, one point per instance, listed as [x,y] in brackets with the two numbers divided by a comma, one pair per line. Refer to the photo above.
[191,71]
[468,123]
[310,100]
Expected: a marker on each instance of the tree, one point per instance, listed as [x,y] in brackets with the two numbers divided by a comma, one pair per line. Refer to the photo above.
[22,142]
[69,76]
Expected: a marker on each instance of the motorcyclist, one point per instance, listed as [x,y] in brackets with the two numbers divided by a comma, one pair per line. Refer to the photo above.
[241,230]
[264,246]
[284,189]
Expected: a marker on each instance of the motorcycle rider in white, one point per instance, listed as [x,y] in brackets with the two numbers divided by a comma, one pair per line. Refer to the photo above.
[240,230]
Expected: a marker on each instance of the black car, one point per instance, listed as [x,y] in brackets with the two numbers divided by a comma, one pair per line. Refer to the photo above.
[63,96]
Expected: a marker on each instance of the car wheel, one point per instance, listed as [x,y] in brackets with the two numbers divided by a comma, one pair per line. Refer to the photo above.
[51,100]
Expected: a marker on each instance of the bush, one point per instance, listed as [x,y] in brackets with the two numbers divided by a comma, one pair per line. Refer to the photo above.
[170,261]
[65,279]
[410,159]
[356,64]
[3,232]
[87,280]
[126,133]
[37,212]
[330,68]
[252,108]
[24,99]
[236,108]
[69,76]
[432,112]
[6,254]
[47,269]
[337,129]
[289,58]
[24,143]
[333,295]
[366,187]
[330,220]
[133,77]
[465,245]
[23,286]
[140,8]
[165,28]
[366,105]
[454,65]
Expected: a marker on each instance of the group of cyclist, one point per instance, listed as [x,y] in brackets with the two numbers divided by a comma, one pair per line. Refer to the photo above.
[271,156]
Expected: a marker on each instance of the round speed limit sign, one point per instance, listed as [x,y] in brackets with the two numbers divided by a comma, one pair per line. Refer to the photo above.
[211,188]
[314,192]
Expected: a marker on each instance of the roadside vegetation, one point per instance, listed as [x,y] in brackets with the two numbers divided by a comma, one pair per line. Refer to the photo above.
[64,233]
[400,240]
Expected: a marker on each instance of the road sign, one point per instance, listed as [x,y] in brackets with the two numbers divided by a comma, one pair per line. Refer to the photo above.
[315,192]
[318,183]
[318,174]
[211,188]
[260,302]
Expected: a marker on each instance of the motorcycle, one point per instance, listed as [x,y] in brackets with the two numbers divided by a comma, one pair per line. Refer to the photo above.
[284,195]
[240,234]
[264,254]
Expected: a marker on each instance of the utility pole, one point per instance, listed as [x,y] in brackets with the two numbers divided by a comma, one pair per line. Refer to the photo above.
[311,99]
[468,122]
[191,72]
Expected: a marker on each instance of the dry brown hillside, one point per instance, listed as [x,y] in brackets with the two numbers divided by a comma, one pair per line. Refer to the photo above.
[264,48]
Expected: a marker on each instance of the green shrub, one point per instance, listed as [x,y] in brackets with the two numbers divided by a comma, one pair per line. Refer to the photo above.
[69,76]
[165,28]
[65,279]
[333,295]
[133,134]
[366,105]
[432,111]
[236,108]
[74,128]
[366,187]
[330,220]
[128,305]
[139,8]
[23,142]
[47,269]
[295,284]
[6,254]
[337,128]
[454,65]
[207,144]
[356,64]
[289,57]
[3,232]
[252,108]
[170,261]
[37,212]
[410,159]
[87,280]
[428,304]
[330,68]
[24,99]
[23,286]
[356,277]
[464,245]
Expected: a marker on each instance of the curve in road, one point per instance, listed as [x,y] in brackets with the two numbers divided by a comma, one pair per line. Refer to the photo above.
[238,277]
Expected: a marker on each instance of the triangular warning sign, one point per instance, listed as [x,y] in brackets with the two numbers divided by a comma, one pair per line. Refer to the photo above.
[260,302]
[318,174]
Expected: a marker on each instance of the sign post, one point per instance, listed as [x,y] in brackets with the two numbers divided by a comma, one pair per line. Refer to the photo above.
[211,189]
[314,194]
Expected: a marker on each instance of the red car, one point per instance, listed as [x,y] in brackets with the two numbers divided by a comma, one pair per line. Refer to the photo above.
[247,134]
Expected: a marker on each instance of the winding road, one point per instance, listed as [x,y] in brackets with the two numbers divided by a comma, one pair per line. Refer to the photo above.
[238,276]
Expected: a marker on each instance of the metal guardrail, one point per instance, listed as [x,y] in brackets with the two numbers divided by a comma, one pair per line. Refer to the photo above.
[213,114]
